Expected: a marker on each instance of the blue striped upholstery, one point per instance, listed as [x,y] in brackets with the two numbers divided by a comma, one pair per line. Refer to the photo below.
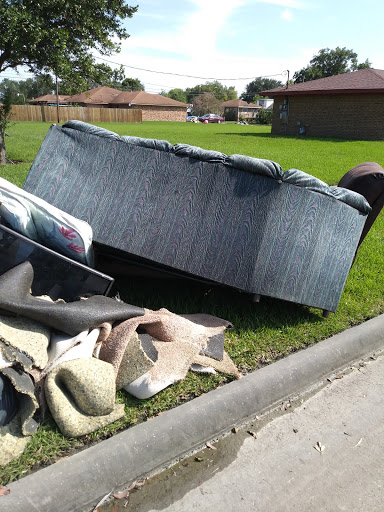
[235,220]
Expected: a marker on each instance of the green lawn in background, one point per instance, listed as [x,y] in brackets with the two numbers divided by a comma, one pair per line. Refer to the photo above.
[262,332]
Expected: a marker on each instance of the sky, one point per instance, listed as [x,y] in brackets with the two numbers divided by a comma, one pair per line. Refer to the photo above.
[235,41]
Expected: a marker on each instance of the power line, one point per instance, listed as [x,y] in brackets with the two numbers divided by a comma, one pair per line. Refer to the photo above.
[187,76]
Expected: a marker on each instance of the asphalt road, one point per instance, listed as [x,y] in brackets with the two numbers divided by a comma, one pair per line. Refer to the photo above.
[324,453]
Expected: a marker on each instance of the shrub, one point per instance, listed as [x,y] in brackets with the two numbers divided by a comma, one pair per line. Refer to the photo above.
[264,116]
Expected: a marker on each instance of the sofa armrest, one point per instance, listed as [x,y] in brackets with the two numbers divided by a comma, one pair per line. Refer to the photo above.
[368,180]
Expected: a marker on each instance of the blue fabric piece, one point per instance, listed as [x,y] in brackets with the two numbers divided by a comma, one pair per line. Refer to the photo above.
[256,166]
[302,179]
[199,154]
[91,129]
[160,145]
[8,401]
[352,198]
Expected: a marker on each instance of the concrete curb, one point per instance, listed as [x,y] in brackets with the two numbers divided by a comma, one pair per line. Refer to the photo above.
[79,482]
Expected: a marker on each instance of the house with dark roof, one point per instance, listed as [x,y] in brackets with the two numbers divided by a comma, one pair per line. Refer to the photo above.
[154,107]
[350,105]
[234,109]
[98,97]
[49,99]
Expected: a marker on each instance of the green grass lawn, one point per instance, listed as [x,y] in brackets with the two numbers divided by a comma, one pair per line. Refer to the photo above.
[262,332]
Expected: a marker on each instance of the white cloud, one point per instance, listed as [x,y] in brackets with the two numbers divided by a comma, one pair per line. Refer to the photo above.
[293,4]
[196,36]
[199,55]
[286,15]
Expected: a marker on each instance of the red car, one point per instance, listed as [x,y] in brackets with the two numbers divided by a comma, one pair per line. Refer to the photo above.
[211,118]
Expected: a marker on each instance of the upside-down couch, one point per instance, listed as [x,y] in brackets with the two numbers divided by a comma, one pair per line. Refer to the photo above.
[234,220]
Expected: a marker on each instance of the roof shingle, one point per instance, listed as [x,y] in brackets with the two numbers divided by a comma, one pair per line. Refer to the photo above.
[49,98]
[110,96]
[365,80]
[145,98]
[98,96]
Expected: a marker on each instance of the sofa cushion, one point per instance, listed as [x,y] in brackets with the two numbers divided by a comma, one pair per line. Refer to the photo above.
[40,221]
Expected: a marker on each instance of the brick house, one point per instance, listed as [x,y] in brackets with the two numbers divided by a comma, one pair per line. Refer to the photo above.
[99,97]
[49,99]
[154,107]
[233,109]
[350,105]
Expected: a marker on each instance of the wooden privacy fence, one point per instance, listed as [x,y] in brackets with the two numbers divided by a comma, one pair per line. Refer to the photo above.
[86,114]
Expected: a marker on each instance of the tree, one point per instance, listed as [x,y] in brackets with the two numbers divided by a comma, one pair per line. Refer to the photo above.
[11,90]
[23,90]
[256,86]
[329,63]
[206,103]
[5,113]
[57,36]
[102,75]
[264,116]
[215,88]
[176,94]
[131,84]
[37,86]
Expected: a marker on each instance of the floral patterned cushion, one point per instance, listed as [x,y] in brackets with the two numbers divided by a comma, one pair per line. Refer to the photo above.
[46,224]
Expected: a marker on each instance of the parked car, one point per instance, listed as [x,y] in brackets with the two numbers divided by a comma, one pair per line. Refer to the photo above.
[211,118]
[192,119]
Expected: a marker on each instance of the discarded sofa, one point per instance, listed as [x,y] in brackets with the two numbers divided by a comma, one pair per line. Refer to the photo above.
[233,220]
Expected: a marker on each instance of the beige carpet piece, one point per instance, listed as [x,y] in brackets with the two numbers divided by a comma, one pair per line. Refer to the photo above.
[196,329]
[164,326]
[12,441]
[134,363]
[172,365]
[81,396]
[225,366]
[25,337]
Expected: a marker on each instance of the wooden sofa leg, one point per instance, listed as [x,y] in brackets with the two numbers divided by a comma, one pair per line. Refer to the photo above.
[326,313]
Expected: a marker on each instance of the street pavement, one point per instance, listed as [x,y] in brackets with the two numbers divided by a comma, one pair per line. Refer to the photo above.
[323,453]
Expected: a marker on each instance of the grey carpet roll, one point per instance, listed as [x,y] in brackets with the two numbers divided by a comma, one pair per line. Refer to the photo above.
[8,401]
[71,317]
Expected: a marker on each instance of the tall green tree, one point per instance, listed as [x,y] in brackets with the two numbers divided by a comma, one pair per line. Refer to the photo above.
[176,94]
[102,75]
[131,84]
[37,86]
[23,90]
[11,90]
[329,63]
[256,86]
[215,88]
[58,36]
[207,103]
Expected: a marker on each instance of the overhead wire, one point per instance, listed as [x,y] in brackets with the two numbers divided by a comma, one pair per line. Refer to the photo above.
[187,76]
